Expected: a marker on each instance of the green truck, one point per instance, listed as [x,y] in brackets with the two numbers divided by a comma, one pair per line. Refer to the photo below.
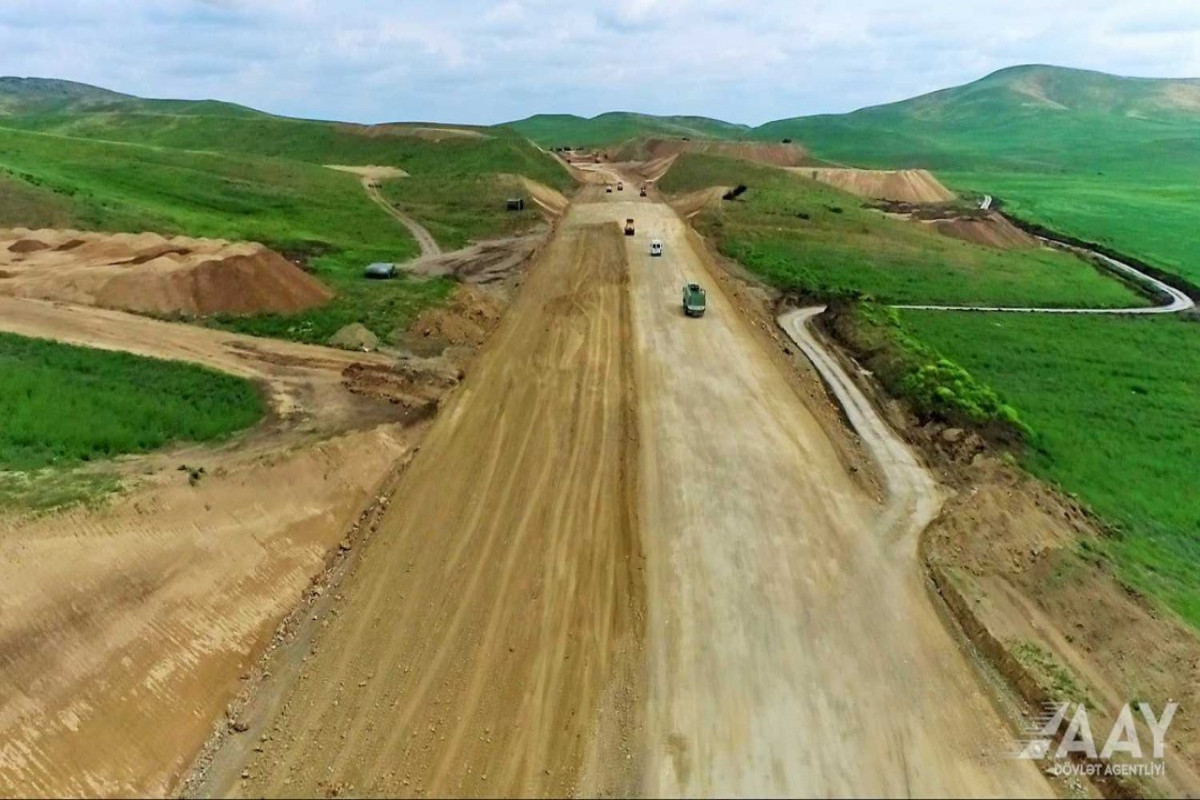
[694,300]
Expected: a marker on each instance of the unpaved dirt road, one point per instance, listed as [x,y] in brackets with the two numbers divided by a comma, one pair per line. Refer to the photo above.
[629,559]
[494,622]
[791,646]
[428,245]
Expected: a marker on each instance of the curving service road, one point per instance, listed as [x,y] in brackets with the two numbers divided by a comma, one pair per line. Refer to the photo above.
[1174,301]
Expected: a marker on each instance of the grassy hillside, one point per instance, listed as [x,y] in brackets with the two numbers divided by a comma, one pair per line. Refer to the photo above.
[1115,426]
[77,156]
[1108,159]
[557,130]
[415,148]
[63,405]
[31,96]
[808,237]
[316,214]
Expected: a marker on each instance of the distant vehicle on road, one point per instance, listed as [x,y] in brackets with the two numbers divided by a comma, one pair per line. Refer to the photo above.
[643,192]
[629,227]
[655,247]
[694,300]
[620,187]
[608,188]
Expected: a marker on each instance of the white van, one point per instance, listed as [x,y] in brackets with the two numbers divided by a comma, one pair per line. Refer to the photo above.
[655,247]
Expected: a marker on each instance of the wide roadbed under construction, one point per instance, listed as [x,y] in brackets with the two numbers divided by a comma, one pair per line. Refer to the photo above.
[629,559]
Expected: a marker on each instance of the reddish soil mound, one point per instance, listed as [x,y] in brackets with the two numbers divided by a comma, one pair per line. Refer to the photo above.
[152,274]
[992,231]
[906,185]
[470,316]
[27,246]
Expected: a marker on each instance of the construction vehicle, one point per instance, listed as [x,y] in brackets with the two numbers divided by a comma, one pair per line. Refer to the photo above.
[629,227]
[694,300]
[655,247]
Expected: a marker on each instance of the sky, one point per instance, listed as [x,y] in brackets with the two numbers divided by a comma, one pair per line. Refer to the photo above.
[471,61]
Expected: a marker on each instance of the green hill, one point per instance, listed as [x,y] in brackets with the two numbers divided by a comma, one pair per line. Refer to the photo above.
[1032,118]
[1109,159]
[77,156]
[34,96]
[558,130]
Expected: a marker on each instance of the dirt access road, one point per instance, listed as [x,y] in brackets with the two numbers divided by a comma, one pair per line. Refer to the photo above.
[629,559]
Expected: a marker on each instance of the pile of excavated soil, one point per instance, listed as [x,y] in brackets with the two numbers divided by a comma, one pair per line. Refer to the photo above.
[354,336]
[777,155]
[466,321]
[150,273]
[991,231]
[415,384]
[906,185]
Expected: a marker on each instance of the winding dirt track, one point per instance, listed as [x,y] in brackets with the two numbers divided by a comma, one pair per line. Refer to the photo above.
[428,245]
[629,559]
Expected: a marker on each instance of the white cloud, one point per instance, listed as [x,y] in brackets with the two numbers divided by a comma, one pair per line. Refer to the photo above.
[477,61]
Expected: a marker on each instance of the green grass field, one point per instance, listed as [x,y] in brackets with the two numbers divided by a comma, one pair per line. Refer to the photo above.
[1114,403]
[1154,219]
[804,236]
[1111,160]
[63,405]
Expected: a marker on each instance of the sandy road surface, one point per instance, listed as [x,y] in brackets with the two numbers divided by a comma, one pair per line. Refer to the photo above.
[488,640]
[125,628]
[791,646]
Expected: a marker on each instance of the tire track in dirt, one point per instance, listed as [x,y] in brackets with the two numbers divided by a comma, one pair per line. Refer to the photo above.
[480,635]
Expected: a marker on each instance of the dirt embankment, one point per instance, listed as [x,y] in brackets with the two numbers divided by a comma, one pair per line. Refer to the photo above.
[1011,556]
[990,230]
[506,574]
[907,185]
[774,154]
[150,273]
[127,626]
